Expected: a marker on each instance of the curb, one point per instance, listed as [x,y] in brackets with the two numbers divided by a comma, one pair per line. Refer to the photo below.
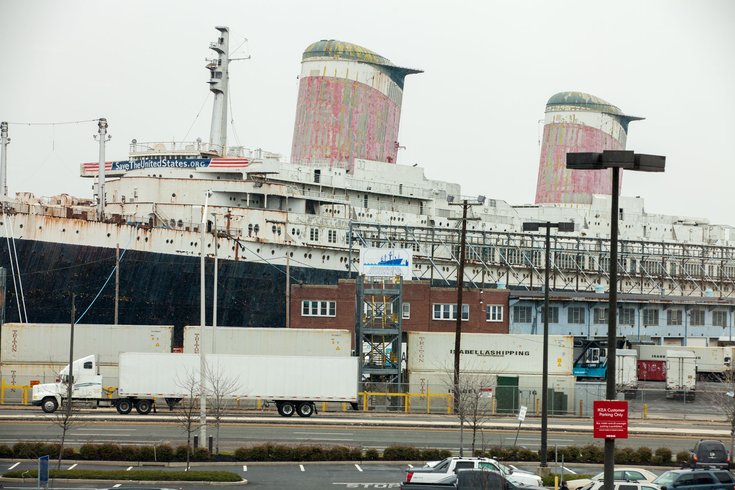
[135,482]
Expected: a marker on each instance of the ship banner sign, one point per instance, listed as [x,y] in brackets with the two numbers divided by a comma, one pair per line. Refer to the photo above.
[387,262]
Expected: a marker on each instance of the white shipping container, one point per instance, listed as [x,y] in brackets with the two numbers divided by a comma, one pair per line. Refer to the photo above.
[681,372]
[49,342]
[270,341]
[626,370]
[325,378]
[489,353]
[529,386]
[709,359]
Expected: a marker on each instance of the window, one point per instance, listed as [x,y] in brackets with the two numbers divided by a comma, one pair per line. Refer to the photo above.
[650,316]
[494,313]
[522,314]
[673,317]
[575,314]
[377,309]
[553,314]
[318,308]
[449,311]
[332,236]
[719,318]
[627,316]
[406,313]
[696,317]
[314,234]
[601,315]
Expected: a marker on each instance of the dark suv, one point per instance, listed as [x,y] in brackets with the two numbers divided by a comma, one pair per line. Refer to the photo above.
[708,453]
[699,479]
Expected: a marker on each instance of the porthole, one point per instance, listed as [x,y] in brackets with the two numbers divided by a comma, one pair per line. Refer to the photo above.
[137,238]
[146,239]
[108,236]
[77,232]
[63,230]
[40,228]
[273,252]
[21,225]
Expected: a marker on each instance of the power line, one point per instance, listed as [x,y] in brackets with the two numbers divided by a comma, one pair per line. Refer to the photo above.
[52,123]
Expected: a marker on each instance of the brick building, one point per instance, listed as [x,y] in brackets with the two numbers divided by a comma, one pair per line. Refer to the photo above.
[425,308]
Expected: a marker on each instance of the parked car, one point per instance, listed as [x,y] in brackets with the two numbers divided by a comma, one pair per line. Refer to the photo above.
[621,474]
[622,485]
[470,479]
[708,453]
[697,479]
[436,471]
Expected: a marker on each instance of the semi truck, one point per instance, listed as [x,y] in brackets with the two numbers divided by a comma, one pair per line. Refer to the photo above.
[293,383]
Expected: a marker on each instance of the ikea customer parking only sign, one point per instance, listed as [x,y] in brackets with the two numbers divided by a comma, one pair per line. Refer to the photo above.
[610,419]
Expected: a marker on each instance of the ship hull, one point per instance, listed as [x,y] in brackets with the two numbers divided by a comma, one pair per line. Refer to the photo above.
[154,288]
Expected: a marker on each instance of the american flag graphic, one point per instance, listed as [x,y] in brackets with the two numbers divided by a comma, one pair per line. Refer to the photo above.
[94,166]
[229,163]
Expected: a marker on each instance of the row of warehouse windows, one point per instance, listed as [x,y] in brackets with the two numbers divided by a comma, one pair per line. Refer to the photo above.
[650,316]
[440,311]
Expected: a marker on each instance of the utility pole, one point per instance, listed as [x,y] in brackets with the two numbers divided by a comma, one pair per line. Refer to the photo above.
[70,379]
[460,286]
[117,281]
[288,292]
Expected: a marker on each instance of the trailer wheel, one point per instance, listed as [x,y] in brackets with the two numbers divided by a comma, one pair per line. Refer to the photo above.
[305,409]
[124,406]
[49,404]
[285,409]
[143,407]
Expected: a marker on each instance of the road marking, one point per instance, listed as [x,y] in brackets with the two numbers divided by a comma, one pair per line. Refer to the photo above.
[244,467]
[410,466]
[324,439]
[323,433]
[302,467]
[129,468]
[16,464]
[358,467]
[72,466]
[116,485]
[107,429]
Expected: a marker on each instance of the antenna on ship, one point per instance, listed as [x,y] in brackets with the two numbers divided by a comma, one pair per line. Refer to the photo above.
[102,137]
[4,142]
[218,81]
[219,84]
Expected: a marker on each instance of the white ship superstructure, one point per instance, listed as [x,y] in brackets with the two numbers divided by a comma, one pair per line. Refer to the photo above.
[268,218]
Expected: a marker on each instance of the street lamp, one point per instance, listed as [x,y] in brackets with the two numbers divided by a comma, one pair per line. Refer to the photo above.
[564,227]
[615,160]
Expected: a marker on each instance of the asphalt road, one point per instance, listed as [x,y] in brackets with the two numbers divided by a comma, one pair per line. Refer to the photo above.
[312,431]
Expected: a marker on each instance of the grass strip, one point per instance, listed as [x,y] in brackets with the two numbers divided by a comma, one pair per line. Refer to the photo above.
[134,475]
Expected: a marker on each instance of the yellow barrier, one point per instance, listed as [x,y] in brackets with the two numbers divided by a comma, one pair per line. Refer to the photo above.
[406,399]
[4,387]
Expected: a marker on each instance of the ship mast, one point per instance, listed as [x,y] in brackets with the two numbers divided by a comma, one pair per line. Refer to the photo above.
[218,84]
[4,141]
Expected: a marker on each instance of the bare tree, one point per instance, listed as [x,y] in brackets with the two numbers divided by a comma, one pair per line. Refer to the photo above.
[65,418]
[721,396]
[188,416]
[221,388]
[473,407]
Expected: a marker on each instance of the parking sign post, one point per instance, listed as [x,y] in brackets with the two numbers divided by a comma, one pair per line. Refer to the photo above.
[42,472]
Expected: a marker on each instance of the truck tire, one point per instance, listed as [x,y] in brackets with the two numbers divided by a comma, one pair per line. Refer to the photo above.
[305,409]
[285,409]
[124,406]
[49,404]
[143,407]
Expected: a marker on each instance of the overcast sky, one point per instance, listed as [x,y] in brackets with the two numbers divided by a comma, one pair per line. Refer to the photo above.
[472,117]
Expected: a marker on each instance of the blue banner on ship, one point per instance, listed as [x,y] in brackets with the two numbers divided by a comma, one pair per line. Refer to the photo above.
[120,167]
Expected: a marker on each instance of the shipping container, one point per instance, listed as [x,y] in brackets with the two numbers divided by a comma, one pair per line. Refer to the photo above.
[714,361]
[681,374]
[489,353]
[270,341]
[48,343]
[626,371]
[651,370]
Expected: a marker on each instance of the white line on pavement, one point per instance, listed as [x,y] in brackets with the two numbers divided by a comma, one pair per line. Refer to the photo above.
[323,433]
[302,467]
[129,468]
[116,485]
[358,467]
[410,465]
[16,464]
[74,465]
[244,467]
[105,428]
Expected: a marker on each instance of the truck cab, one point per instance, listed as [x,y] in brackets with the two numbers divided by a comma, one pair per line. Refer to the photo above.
[86,385]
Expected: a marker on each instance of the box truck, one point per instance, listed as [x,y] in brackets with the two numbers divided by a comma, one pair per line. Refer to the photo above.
[293,383]
[681,374]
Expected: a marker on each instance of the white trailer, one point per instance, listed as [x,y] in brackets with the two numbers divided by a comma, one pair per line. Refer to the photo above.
[293,383]
[626,371]
[712,362]
[681,374]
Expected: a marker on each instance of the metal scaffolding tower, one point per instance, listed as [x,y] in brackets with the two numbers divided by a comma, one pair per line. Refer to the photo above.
[378,328]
